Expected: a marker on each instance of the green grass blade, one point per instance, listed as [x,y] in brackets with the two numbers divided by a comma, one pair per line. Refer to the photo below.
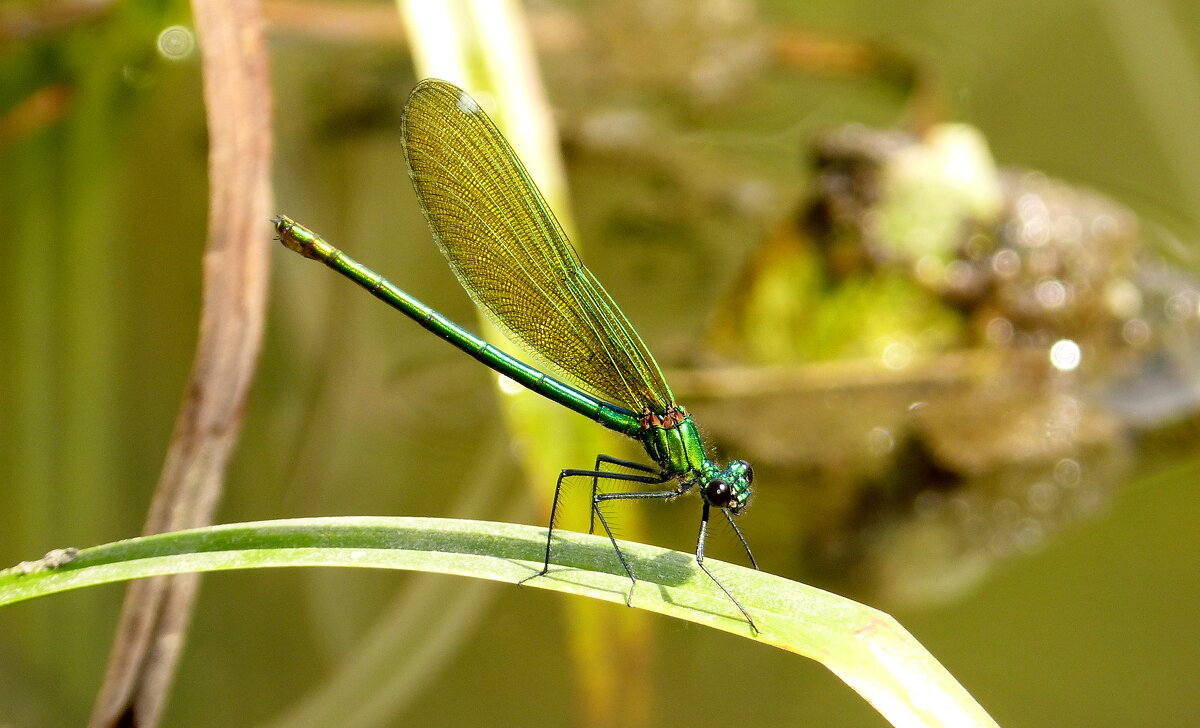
[866,648]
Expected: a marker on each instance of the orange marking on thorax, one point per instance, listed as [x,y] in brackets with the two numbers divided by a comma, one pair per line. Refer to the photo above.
[673,417]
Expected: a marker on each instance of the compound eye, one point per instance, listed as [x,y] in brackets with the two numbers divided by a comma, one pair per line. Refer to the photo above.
[718,493]
[747,470]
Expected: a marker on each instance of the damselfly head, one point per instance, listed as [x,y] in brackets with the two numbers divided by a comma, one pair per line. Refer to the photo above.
[728,489]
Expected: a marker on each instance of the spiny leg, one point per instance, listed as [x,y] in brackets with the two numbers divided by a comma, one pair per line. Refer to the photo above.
[659,494]
[741,538]
[594,474]
[700,563]
[631,464]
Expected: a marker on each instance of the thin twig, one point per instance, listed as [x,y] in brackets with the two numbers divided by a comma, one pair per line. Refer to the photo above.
[155,616]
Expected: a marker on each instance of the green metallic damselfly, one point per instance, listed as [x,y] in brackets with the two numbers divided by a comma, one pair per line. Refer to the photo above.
[510,254]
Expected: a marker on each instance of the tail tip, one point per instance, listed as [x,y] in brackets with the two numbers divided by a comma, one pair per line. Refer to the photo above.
[293,235]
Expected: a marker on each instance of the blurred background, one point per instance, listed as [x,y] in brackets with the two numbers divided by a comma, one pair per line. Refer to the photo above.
[931,267]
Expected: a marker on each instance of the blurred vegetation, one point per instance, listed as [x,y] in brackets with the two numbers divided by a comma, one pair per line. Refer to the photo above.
[687,127]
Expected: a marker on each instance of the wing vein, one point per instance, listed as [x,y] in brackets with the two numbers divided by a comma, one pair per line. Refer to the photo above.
[508,250]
